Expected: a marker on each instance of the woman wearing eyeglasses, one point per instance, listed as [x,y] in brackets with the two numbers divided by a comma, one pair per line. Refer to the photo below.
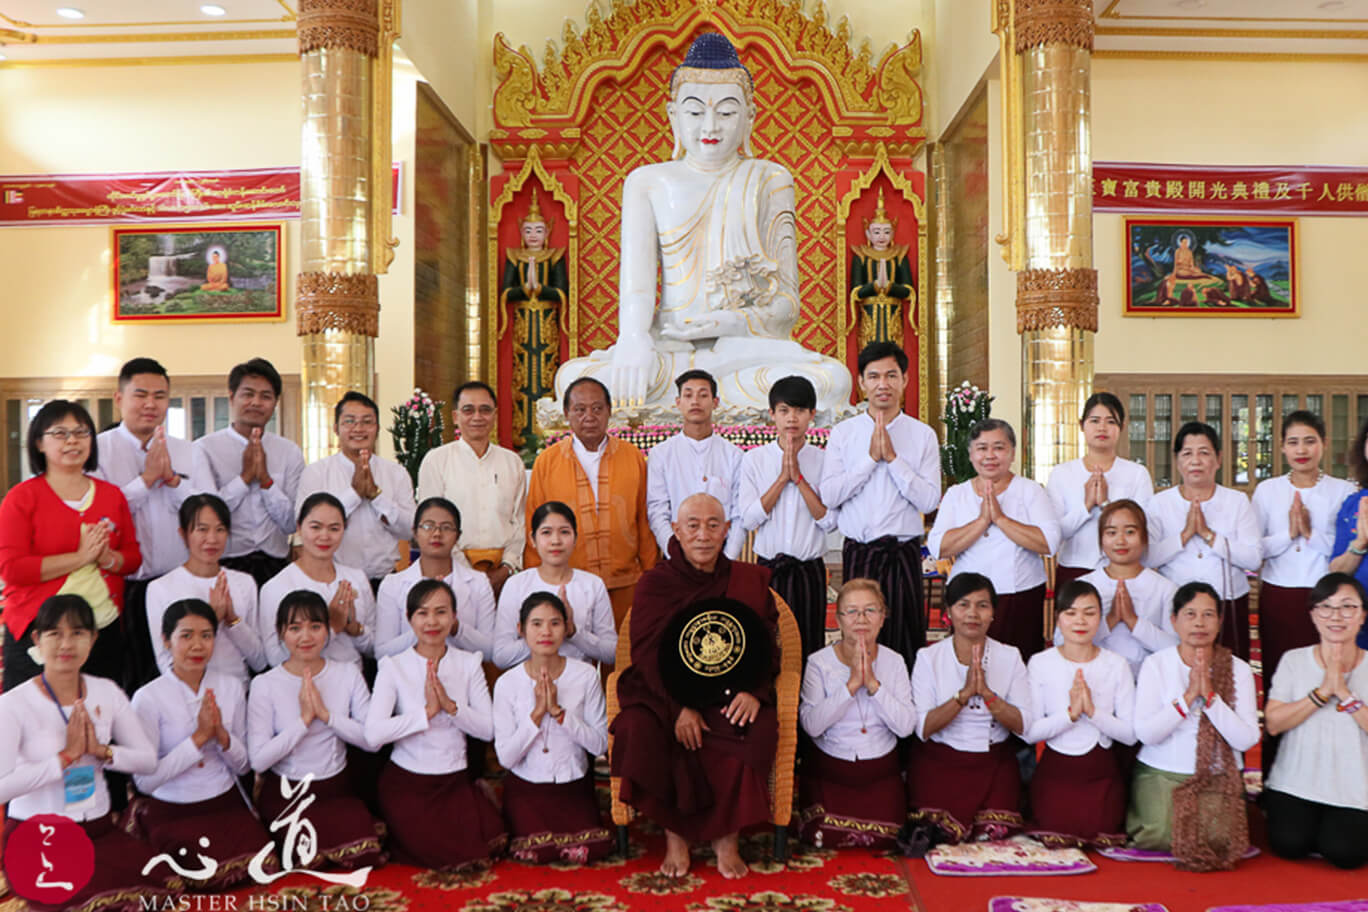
[436,528]
[64,533]
[376,493]
[1317,794]
[856,704]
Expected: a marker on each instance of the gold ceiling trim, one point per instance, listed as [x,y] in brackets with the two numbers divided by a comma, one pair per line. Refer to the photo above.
[561,87]
[1229,56]
[1111,13]
[216,23]
[155,37]
[1135,31]
[199,59]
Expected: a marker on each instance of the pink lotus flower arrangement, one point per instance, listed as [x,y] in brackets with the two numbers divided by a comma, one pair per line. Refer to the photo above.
[417,428]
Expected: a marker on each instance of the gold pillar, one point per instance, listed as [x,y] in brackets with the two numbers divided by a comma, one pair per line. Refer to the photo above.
[1056,285]
[344,202]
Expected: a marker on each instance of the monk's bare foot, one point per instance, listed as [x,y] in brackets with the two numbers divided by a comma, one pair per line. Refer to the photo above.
[729,862]
[676,863]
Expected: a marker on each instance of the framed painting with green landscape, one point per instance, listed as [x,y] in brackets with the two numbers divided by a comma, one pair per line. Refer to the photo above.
[207,272]
[1211,267]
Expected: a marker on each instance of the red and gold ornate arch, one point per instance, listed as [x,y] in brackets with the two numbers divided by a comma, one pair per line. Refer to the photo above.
[842,122]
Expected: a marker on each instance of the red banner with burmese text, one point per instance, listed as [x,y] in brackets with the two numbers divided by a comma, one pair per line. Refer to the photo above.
[166,196]
[1229,190]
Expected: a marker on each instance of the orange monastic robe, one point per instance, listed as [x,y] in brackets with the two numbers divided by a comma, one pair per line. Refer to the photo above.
[615,540]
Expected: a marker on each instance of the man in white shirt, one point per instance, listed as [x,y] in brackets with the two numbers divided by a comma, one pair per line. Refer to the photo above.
[376,493]
[882,472]
[153,470]
[694,461]
[486,482]
[254,471]
[778,498]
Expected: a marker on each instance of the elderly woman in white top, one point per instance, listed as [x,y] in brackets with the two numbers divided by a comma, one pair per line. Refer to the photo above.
[1296,515]
[205,523]
[1081,488]
[345,590]
[427,700]
[436,529]
[589,631]
[972,695]
[1317,792]
[58,732]
[856,704]
[1137,602]
[1002,526]
[199,719]
[301,717]
[1195,714]
[1084,701]
[550,721]
[1205,531]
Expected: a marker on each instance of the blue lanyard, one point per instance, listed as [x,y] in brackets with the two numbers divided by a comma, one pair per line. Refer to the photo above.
[48,687]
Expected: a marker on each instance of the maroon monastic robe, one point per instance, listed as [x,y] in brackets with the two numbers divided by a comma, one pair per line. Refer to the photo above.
[724,786]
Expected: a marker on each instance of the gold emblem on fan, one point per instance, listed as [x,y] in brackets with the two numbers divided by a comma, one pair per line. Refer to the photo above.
[712,644]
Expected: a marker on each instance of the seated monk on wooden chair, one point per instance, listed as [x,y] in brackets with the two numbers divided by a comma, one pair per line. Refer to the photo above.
[702,775]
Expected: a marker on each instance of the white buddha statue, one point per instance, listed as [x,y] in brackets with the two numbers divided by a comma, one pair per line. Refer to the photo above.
[718,225]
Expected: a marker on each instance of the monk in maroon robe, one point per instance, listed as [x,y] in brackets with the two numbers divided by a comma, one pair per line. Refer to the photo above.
[702,775]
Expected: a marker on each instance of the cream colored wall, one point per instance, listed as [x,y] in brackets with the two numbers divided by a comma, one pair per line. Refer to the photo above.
[959,49]
[449,47]
[1208,112]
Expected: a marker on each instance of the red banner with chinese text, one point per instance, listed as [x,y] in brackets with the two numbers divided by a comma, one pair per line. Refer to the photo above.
[166,196]
[1229,190]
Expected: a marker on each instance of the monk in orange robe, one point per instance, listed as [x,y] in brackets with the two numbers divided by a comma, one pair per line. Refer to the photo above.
[216,277]
[615,540]
[703,775]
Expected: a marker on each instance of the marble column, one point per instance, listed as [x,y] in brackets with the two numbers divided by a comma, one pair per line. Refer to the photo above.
[337,300]
[1056,283]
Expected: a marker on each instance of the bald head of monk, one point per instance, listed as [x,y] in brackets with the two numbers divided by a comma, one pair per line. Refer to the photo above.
[701,527]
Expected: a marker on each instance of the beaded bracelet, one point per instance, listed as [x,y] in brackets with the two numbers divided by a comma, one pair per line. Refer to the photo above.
[1315,697]
[1352,706]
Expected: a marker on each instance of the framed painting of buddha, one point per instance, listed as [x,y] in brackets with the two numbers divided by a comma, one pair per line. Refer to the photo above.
[230,272]
[1211,267]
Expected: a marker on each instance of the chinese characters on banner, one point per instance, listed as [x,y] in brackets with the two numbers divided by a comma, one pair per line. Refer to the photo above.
[166,196]
[1216,189]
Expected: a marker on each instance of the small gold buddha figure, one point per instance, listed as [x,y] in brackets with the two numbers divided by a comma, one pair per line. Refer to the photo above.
[216,276]
[881,281]
[536,281]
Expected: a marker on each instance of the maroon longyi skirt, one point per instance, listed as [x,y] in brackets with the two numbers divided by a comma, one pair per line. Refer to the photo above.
[1079,800]
[851,803]
[347,835]
[967,793]
[554,821]
[439,821]
[235,835]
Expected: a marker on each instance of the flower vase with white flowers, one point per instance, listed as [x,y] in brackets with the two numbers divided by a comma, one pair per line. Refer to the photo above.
[964,405]
[417,428]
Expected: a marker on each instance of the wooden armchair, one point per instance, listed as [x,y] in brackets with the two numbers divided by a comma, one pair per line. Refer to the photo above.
[786,687]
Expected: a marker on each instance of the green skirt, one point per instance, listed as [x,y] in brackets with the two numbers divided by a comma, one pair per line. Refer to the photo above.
[1149,819]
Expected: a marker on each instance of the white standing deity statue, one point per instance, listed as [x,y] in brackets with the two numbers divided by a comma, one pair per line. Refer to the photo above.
[717,227]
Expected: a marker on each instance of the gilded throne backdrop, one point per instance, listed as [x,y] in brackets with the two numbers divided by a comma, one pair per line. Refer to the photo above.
[841,121]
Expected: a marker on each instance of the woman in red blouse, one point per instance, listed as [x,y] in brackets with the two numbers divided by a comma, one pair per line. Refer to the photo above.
[64,532]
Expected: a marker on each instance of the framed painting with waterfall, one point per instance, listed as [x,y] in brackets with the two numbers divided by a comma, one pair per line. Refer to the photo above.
[1187,266]
[218,272]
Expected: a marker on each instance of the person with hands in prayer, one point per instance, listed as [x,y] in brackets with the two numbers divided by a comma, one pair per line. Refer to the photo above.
[550,721]
[1316,794]
[1002,526]
[971,695]
[856,704]
[427,700]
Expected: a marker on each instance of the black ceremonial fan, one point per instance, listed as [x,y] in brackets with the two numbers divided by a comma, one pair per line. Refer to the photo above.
[712,650]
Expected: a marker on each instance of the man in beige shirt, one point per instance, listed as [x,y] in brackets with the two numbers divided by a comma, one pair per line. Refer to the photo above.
[487,483]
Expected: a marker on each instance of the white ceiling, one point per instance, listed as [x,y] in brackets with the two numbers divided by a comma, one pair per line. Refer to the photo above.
[1314,27]
[31,30]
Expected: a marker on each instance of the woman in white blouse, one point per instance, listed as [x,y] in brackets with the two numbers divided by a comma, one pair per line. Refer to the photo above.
[589,631]
[550,721]
[1296,515]
[1204,531]
[1137,602]
[345,590]
[59,731]
[205,522]
[1179,687]
[427,699]
[1002,526]
[971,695]
[436,529]
[856,704]
[1316,797]
[301,716]
[198,717]
[1081,488]
[1084,700]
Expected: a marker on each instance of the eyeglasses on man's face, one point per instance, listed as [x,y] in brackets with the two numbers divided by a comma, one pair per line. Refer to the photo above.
[351,421]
